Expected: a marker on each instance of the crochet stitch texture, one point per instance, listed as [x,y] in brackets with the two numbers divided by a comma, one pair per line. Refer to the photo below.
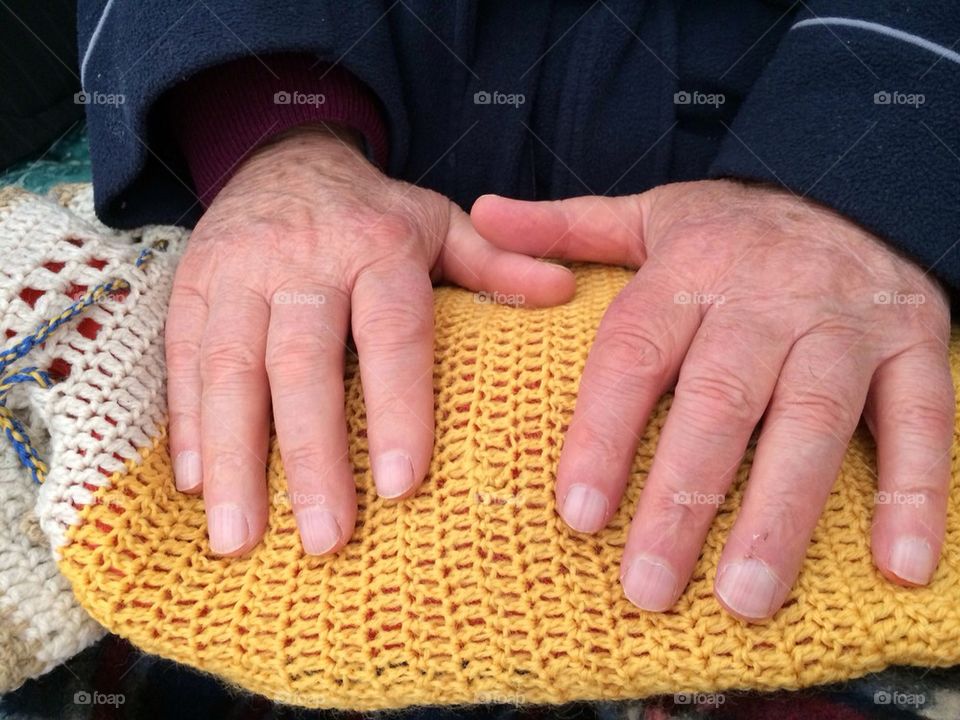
[51,256]
[473,590]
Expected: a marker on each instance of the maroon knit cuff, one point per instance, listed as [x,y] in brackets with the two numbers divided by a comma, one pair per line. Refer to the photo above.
[220,115]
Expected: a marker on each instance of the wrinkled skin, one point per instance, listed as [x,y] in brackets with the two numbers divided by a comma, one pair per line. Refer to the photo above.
[750,302]
[747,301]
[305,242]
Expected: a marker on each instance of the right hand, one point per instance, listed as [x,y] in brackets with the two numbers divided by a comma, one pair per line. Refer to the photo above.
[305,241]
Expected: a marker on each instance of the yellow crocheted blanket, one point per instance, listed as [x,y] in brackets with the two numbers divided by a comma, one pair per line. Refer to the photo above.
[474,590]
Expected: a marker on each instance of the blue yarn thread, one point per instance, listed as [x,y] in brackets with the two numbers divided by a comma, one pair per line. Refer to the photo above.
[11,427]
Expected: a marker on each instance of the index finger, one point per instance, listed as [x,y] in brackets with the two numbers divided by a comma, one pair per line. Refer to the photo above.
[640,344]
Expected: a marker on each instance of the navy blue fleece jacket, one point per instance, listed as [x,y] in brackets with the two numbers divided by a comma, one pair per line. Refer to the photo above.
[850,103]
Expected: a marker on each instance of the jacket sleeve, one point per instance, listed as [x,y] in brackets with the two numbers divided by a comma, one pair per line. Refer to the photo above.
[858,109]
[132,53]
[221,115]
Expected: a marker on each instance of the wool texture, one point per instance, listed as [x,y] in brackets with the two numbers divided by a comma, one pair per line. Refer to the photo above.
[53,249]
[41,624]
[471,591]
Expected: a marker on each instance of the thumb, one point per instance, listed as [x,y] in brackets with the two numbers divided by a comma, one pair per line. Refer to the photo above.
[590,228]
[470,261]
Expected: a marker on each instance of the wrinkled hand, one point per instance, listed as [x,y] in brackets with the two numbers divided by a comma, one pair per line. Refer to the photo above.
[306,240]
[751,303]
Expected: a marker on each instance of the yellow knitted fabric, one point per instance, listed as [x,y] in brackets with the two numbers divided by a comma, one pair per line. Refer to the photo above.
[473,590]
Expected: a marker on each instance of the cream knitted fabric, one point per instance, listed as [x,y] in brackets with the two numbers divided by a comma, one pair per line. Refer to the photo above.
[105,404]
[41,624]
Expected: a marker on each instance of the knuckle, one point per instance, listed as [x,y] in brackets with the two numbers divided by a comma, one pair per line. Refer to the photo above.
[303,462]
[817,409]
[628,352]
[311,297]
[393,325]
[188,303]
[184,427]
[919,492]
[183,356]
[389,406]
[924,425]
[720,397]
[226,359]
[784,515]
[599,446]
[184,418]
[229,464]
[295,357]
[386,228]
[919,328]
[675,512]
[923,416]
[192,268]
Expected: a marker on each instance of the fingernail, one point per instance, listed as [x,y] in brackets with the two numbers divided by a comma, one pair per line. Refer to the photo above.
[912,559]
[748,588]
[564,268]
[319,530]
[392,474]
[186,470]
[650,584]
[584,508]
[228,528]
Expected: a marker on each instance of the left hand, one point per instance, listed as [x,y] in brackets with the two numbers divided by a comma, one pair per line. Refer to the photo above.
[751,302]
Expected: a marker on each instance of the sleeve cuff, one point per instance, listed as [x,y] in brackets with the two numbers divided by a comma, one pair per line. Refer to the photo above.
[221,115]
[862,119]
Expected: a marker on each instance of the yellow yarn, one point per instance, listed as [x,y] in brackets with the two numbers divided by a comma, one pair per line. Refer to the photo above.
[473,590]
